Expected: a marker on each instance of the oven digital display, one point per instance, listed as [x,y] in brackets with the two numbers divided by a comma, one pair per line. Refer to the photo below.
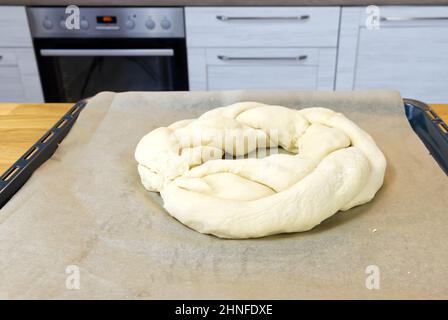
[106,19]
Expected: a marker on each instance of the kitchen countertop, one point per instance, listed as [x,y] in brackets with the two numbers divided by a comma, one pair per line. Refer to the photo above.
[21,125]
[220,2]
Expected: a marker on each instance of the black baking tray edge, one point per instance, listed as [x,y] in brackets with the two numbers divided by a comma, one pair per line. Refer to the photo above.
[16,176]
[432,130]
[424,121]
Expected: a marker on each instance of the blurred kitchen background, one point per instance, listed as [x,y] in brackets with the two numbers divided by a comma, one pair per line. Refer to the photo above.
[50,52]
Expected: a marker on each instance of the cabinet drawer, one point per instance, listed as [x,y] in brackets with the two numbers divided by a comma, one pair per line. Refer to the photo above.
[407,16]
[269,68]
[14,31]
[262,26]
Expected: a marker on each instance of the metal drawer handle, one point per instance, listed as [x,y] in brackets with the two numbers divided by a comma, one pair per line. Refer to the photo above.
[298,18]
[412,18]
[296,58]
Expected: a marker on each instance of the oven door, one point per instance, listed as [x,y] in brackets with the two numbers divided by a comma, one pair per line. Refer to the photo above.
[74,69]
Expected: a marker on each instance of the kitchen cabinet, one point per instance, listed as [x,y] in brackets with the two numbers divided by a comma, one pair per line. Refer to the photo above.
[409,52]
[19,77]
[262,26]
[267,68]
[262,48]
[14,31]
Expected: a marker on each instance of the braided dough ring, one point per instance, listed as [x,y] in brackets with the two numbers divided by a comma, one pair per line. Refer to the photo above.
[334,166]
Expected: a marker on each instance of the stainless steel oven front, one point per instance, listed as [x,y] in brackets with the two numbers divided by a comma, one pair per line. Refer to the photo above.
[109,49]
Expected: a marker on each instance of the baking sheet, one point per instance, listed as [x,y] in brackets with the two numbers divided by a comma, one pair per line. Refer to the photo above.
[86,207]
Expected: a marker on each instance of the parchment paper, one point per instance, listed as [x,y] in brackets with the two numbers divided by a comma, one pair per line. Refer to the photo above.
[86,207]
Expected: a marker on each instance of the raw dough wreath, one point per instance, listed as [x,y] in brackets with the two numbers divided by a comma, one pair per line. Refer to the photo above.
[335,166]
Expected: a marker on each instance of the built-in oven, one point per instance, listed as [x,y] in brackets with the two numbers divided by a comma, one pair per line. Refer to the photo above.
[108,49]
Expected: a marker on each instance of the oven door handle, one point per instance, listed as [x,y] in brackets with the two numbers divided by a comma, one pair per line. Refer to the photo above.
[107,52]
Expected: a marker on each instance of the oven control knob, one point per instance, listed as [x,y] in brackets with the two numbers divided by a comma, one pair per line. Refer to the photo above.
[47,23]
[165,23]
[84,24]
[130,24]
[150,24]
[62,24]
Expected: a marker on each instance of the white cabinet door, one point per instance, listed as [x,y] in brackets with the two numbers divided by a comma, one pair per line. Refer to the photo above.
[409,52]
[263,68]
[413,60]
[19,78]
[11,87]
[14,30]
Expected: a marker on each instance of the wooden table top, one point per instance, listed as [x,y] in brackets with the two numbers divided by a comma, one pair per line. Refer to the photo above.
[21,125]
